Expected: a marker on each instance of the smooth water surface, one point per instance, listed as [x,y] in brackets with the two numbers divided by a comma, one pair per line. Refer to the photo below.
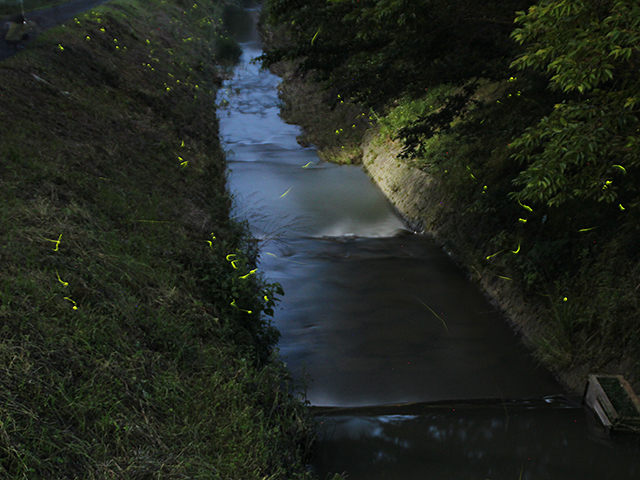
[372,312]
[376,314]
[513,441]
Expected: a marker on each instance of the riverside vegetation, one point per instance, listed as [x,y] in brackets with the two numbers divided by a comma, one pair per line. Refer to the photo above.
[135,337]
[524,115]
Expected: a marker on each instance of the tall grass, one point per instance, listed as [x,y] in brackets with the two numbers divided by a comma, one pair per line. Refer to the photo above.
[134,341]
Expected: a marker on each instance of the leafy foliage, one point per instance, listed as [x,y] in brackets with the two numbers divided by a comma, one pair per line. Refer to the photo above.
[440,121]
[589,146]
[373,50]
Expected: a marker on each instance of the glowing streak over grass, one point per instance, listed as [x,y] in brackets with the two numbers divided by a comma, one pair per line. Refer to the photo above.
[504,278]
[307,165]
[437,316]
[516,251]
[74,303]
[213,237]
[497,253]
[250,273]
[66,284]
[315,36]
[233,304]
[620,167]
[57,242]
[233,262]
[587,229]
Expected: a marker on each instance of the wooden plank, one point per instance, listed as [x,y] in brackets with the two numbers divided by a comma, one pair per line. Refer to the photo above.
[603,398]
[596,398]
[632,395]
[591,400]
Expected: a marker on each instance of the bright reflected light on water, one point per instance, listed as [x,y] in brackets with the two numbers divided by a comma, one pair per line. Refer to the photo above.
[542,442]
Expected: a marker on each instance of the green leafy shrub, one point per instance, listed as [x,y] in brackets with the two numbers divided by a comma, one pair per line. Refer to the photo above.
[588,147]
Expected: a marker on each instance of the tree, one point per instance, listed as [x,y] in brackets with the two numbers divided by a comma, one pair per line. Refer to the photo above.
[378,50]
[589,146]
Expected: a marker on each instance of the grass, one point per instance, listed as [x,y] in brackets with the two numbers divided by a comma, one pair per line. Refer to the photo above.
[127,347]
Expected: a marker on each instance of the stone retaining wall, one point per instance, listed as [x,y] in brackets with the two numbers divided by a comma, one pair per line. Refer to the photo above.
[406,187]
[415,196]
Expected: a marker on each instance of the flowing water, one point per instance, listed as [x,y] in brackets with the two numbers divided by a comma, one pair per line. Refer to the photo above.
[377,315]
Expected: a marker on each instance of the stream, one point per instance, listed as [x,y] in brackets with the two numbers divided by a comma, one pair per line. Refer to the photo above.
[412,372]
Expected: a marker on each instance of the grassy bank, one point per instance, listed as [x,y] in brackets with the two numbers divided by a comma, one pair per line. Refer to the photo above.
[135,339]
[456,109]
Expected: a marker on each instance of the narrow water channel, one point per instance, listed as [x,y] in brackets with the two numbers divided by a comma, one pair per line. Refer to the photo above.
[376,315]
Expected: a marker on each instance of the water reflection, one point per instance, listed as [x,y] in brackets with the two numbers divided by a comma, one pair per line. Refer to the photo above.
[358,315]
[479,442]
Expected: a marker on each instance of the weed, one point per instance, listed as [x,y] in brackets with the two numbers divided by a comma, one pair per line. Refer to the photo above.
[121,352]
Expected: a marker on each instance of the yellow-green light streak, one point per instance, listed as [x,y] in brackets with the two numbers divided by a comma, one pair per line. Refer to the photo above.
[437,316]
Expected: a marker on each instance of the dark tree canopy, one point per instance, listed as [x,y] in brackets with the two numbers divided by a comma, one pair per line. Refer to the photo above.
[376,50]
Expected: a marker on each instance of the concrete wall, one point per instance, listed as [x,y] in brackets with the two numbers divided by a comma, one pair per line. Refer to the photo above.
[406,187]
[415,195]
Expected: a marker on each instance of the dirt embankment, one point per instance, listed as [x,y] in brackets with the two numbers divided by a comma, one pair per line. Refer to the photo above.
[416,196]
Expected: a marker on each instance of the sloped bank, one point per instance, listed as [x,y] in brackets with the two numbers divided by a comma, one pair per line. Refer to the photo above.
[407,188]
[416,196]
[473,226]
[134,332]
[427,208]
